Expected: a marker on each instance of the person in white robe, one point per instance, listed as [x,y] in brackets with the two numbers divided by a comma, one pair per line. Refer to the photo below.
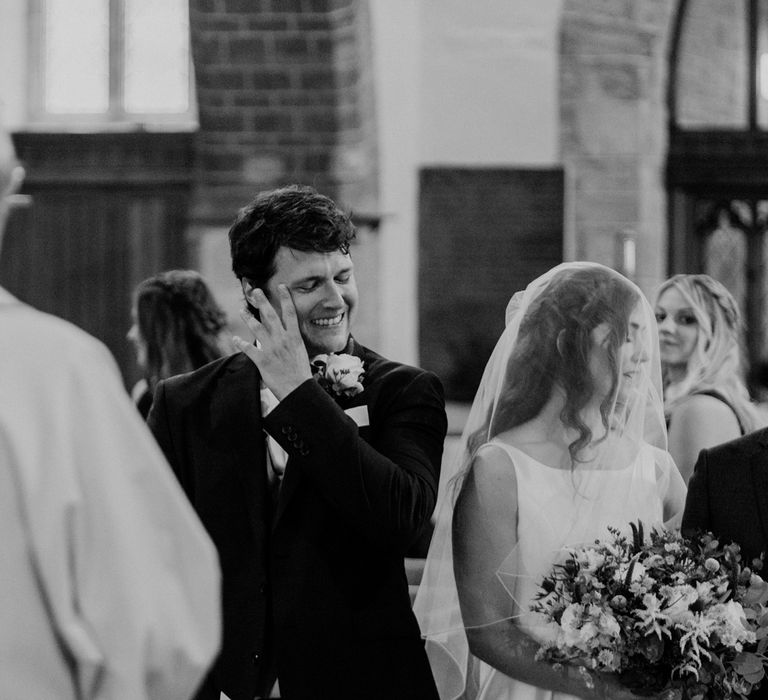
[109,585]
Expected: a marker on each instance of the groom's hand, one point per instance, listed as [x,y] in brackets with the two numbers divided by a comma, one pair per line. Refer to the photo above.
[280,354]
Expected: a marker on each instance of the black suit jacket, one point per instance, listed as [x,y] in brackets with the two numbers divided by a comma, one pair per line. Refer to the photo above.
[313,584]
[728,494]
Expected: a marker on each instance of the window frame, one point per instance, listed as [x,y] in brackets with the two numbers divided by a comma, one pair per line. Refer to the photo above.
[115,117]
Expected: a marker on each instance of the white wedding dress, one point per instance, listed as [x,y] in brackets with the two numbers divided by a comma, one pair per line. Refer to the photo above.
[557,509]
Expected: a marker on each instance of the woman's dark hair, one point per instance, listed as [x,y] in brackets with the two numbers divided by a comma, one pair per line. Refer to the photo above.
[295,217]
[180,323]
[554,347]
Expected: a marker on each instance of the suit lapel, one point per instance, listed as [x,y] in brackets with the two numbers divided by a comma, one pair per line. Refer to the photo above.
[757,457]
[291,478]
[236,413]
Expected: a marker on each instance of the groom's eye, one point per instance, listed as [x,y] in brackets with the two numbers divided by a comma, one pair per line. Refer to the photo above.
[306,286]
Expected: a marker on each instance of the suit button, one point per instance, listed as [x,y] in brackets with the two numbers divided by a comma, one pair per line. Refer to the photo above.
[255,659]
[286,429]
[303,451]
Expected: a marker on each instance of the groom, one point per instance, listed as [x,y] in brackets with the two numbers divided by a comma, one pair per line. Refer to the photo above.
[312,487]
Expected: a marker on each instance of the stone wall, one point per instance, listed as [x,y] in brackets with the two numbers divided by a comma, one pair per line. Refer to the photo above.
[614,130]
[711,76]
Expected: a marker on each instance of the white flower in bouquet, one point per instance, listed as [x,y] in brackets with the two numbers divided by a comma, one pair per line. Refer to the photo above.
[652,618]
[638,572]
[704,592]
[678,600]
[590,560]
[732,624]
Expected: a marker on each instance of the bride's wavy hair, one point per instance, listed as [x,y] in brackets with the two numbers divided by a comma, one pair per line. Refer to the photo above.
[554,347]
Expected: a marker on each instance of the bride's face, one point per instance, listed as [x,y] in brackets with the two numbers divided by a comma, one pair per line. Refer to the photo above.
[632,356]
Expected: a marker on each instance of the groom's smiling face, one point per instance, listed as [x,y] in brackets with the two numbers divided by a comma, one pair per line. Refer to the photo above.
[324,292]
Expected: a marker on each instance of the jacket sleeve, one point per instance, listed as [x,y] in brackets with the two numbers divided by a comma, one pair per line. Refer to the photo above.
[386,484]
[158,422]
[129,573]
[696,516]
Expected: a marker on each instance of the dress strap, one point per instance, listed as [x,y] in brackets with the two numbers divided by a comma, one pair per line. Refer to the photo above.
[720,397]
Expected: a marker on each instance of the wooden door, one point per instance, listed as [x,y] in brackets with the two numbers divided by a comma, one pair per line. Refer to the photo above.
[107,211]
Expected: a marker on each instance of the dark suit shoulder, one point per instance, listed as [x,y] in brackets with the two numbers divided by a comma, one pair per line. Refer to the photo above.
[190,385]
[379,368]
[738,445]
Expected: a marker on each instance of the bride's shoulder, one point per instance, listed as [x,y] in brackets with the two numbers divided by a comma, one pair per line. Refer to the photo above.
[493,461]
[491,452]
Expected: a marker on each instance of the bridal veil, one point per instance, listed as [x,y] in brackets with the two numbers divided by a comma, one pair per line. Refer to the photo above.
[540,351]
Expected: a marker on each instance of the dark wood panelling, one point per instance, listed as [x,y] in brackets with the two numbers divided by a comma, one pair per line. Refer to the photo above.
[483,234]
[107,211]
[711,160]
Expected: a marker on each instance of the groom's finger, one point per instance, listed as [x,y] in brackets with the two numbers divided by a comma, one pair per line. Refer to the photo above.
[267,314]
[247,348]
[288,311]
[257,328]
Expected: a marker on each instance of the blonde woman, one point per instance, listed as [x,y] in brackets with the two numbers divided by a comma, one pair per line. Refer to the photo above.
[705,397]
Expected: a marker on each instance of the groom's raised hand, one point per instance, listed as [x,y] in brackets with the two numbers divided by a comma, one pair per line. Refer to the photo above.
[280,353]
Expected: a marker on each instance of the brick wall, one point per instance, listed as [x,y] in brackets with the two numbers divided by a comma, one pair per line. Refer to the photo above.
[284,92]
[283,96]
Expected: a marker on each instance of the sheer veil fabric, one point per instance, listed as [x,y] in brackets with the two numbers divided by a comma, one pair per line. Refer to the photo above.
[570,411]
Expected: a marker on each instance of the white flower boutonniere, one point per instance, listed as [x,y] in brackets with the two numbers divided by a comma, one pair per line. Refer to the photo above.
[339,374]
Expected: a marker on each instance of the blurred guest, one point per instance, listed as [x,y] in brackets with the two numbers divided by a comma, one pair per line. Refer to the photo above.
[110,586]
[706,401]
[177,327]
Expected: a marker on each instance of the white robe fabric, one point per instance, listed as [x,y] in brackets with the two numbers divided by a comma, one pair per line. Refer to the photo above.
[109,586]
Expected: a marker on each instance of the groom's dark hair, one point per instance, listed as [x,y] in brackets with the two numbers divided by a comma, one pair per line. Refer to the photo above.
[296,216]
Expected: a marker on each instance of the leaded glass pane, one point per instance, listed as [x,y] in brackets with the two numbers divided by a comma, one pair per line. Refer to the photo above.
[156,56]
[711,86]
[76,56]
[725,255]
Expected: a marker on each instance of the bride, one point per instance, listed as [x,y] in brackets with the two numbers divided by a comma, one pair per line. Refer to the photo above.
[565,438]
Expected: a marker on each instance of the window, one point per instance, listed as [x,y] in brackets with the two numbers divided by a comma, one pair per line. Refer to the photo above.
[111,62]
[721,67]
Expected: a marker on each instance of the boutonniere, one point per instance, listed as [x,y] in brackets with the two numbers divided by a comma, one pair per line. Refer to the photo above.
[341,374]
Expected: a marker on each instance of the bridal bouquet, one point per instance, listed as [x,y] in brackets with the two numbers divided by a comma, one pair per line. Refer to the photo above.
[667,614]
